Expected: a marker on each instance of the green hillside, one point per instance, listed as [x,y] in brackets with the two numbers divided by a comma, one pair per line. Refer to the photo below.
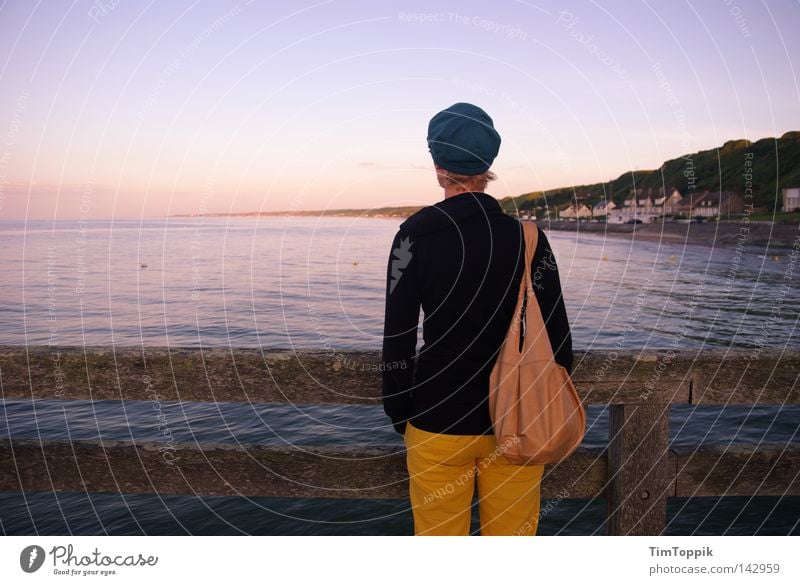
[775,164]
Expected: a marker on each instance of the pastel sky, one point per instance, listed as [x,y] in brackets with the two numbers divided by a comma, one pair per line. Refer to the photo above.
[123,108]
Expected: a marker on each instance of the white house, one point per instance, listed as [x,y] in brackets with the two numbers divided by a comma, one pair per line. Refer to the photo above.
[567,212]
[583,211]
[638,206]
[791,198]
[668,204]
[603,207]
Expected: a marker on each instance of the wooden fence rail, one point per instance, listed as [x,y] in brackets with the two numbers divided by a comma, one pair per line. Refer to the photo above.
[635,472]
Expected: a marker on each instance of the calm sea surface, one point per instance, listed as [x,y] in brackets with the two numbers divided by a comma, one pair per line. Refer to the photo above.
[308,282]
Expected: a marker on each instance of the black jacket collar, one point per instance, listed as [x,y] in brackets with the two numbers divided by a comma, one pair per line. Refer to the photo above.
[451,211]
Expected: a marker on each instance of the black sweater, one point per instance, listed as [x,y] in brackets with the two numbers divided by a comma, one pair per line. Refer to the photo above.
[461,260]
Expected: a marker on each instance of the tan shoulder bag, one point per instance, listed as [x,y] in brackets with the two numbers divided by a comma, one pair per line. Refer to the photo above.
[537,414]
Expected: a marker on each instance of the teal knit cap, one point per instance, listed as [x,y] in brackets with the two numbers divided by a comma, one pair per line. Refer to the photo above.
[462,139]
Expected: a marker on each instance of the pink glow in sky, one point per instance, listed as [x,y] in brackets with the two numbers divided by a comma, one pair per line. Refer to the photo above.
[149,109]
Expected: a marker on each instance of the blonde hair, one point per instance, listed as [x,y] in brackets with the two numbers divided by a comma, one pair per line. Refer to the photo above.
[448,178]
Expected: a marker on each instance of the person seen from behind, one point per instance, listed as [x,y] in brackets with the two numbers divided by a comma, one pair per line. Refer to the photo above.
[461,261]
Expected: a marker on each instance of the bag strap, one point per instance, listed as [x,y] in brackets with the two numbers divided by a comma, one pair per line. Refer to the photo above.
[537,345]
[531,234]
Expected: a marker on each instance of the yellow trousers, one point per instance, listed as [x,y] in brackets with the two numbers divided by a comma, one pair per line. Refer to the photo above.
[442,470]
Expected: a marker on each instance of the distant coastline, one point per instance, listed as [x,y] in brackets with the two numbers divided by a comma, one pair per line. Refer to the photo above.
[383,213]
[712,170]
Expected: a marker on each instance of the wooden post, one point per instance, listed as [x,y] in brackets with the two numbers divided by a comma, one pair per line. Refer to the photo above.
[641,475]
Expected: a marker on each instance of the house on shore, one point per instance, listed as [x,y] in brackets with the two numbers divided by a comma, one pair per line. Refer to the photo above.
[639,205]
[603,207]
[711,204]
[720,203]
[667,204]
[791,199]
[573,211]
[583,211]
